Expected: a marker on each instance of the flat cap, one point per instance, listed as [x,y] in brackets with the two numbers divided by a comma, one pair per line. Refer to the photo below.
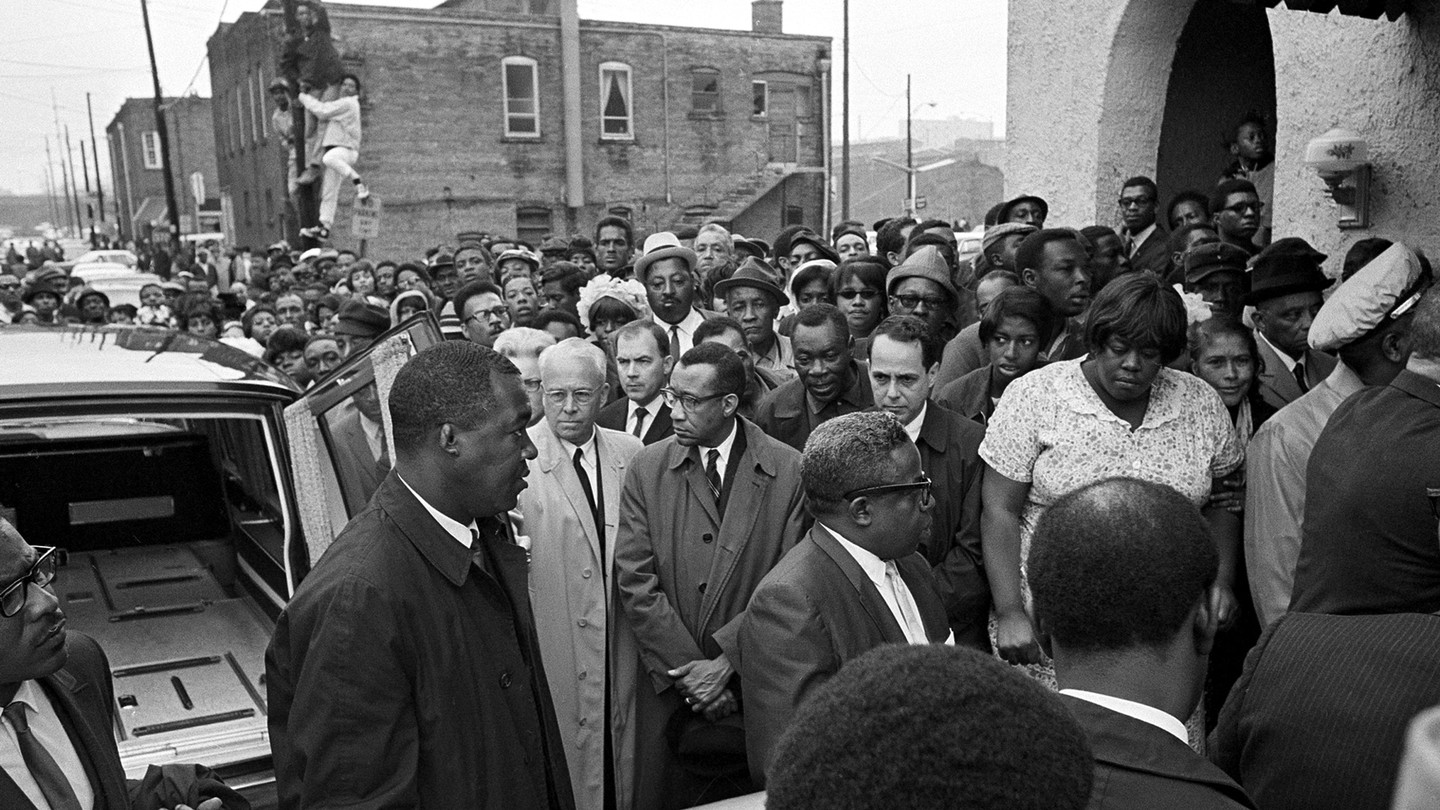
[995,233]
[1386,288]
[1213,257]
[359,319]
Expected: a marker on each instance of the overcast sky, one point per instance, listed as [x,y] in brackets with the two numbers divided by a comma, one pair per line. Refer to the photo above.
[955,50]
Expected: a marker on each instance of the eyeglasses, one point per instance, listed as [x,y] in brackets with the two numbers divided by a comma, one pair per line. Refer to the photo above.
[1134,202]
[41,574]
[494,313]
[866,294]
[582,396]
[913,301]
[531,385]
[685,401]
[1241,207]
[10,286]
[923,485]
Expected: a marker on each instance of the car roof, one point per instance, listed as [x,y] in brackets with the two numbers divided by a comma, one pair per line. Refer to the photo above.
[80,361]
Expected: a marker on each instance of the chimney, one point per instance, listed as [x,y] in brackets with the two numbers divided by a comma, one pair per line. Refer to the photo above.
[765,16]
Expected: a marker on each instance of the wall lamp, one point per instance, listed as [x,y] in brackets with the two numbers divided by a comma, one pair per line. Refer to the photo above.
[1342,159]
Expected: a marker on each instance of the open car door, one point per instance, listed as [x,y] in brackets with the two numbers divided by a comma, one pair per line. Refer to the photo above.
[340,436]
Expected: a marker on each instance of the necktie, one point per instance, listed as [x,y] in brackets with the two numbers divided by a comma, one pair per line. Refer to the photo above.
[712,473]
[42,766]
[596,513]
[1300,376]
[1129,246]
[909,612]
[640,414]
[675,343]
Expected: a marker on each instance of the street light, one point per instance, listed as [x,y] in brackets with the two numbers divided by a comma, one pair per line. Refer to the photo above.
[911,171]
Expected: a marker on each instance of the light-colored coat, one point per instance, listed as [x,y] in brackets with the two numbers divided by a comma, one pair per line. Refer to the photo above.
[577,608]
[1276,382]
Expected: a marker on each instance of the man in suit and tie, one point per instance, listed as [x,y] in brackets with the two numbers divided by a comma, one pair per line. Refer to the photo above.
[642,357]
[570,511]
[57,740]
[1146,242]
[855,582]
[704,515]
[667,269]
[831,381]
[1131,653]
[1285,286]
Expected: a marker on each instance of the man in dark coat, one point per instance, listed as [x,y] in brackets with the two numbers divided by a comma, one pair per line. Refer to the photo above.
[836,594]
[406,671]
[831,382]
[1146,240]
[1130,656]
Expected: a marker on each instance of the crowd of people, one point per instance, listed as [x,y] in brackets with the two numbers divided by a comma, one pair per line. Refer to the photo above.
[1173,471]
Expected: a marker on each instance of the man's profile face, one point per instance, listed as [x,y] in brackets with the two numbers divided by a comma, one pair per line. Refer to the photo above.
[822,359]
[755,310]
[612,248]
[490,466]
[707,423]
[1063,276]
[484,318]
[32,642]
[643,368]
[670,287]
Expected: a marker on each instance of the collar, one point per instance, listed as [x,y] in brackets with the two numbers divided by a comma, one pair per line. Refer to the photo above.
[913,429]
[850,396]
[588,447]
[1139,238]
[1080,396]
[724,447]
[650,406]
[1145,714]
[690,324]
[462,533]
[31,695]
[1284,358]
[873,566]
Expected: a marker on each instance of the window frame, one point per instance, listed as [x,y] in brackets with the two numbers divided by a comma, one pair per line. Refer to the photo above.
[764,85]
[531,232]
[629,93]
[718,109]
[149,139]
[534,66]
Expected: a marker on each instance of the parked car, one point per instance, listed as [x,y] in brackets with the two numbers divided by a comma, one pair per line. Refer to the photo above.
[193,486]
[121,285]
[121,257]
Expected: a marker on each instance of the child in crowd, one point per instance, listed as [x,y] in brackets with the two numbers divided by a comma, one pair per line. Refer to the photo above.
[153,310]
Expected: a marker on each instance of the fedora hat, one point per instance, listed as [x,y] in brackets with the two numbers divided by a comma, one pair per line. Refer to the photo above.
[660,246]
[1288,266]
[753,273]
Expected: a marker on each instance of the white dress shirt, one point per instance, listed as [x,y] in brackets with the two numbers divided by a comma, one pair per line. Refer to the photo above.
[1136,240]
[462,533]
[685,330]
[1279,352]
[913,429]
[45,726]
[875,569]
[1145,714]
[651,408]
[587,457]
[723,462]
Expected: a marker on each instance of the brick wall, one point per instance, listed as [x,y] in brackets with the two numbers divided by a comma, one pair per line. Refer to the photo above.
[192,149]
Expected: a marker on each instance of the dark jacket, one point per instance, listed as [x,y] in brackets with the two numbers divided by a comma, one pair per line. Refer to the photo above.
[313,59]
[1154,253]
[1318,718]
[402,674]
[812,613]
[785,414]
[1140,766]
[969,396]
[657,424]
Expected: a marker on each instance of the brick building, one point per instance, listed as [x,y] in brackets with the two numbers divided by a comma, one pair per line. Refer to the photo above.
[137,179]
[475,119]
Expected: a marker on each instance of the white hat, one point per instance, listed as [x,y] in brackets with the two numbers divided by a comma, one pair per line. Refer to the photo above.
[1388,287]
[663,245]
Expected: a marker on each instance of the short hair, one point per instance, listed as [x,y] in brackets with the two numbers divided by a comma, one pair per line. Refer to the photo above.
[715,227]
[451,382]
[999,275]
[416,268]
[1362,253]
[1181,235]
[1250,117]
[811,274]
[284,339]
[247,320]
[919,239]
[1019,302]
[891,238]
[568,274]
[729,370]
[823,315]
[850,452]
[198,306]
[910,329]
[926,727]
[125,309]
[1032,248]
[1221,192]
[638,328]
[871,270]
[578,348]
[1139,309]
[1203,333]
[1141,181]
[1086,550]
[716,326]
[474,288]
[847,226]
[1094,233]
[1189,195]
[614,221]
[1425,327]
[550,315]
[523,341]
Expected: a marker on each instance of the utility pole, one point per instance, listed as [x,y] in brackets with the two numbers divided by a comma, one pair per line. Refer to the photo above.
[74,185]
[64,178]
[89,206]
[306,213]
[95,152]
[845,121]
[909,153]
[50,185]
[161,131]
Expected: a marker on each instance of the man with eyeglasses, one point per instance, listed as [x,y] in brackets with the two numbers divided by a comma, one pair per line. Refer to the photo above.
[570,511]
[830,382]
[1236,213]
[855,582]
[1145,240]
[704,516]
[482,311]
[57,740]
[921,286]
[9,297]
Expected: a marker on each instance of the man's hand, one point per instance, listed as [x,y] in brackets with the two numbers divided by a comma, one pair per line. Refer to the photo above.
[723,706]
[1015,638]
[702,681]
[208,804]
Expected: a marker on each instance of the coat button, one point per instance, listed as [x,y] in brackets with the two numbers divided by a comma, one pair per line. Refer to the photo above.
[585,573]
[582,721]
[504,680]
[707,538]
[583,674]
[702,587]
[583,623]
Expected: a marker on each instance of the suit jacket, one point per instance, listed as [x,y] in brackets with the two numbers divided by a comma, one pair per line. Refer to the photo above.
[657,427]
[785,414]
[84,700]
[969,396]
[405,671]
[578,618]
[1140,766]
[815,611]
[1318,717]
[352,452]
[1154,253]
[1277,385]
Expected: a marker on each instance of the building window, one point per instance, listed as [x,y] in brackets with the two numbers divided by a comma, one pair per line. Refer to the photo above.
[759,99]
[522,97]
[257,107]
[615,111]
[532,224]
[705,91]
[269,207]
[239,127]
[150,147]
[794,215]
[621,211]
[248,220]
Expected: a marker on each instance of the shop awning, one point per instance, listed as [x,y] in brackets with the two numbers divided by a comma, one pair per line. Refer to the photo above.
[1369,9]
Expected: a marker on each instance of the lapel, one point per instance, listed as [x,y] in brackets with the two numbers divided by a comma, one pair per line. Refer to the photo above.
[870,597]
[66,693]
[753,472]
[916,573]
[438,548]
[612,474]
[1275,376]
[660,426]
[560,467]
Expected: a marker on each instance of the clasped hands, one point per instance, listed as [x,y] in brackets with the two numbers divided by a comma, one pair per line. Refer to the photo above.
[703,685]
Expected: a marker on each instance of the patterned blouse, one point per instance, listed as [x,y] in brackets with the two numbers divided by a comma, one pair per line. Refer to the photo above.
[1053,431]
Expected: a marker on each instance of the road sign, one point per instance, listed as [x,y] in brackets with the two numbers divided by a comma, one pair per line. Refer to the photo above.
[919,203]
[365,224]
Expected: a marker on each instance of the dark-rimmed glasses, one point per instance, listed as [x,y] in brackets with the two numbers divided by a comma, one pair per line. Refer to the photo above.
[866,294]
[685,401]
[42,573]
[923,485]
[1240,208]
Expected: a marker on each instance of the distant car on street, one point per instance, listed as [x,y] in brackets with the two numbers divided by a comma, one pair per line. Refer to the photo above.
[123,257]
[120,284]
